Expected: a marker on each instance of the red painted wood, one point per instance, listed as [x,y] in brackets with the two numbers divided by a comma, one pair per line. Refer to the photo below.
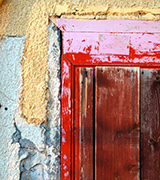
[117,123]
[77,125]
[86,124]
[87,60]
[65,119]
[73,120]
[110,42]
[106,49]
[142,50]
[150,124]
[130,26]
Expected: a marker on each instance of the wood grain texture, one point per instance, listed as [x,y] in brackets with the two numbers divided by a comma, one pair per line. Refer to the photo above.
[117,123]
[150,124]
[86,124]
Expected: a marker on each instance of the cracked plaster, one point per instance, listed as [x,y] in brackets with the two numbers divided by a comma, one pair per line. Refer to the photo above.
[30,151]
[36,15]
[34,151]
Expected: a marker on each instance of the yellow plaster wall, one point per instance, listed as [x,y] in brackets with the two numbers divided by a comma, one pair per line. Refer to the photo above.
[30,17]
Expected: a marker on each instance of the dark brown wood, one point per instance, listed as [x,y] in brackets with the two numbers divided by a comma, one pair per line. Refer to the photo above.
[86,124]
[150,124]
[117,123]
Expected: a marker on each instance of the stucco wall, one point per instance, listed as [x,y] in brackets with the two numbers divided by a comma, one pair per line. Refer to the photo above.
[32,17]
[30,78]
[28,151]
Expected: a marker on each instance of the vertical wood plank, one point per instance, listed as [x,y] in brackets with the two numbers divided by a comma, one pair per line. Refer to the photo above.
[86,124]
[117,123]
[76,132]
[73,72]
[150,124]
[66,119]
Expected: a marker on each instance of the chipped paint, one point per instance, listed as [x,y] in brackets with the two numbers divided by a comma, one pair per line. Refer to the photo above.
[36,14]
[31,18]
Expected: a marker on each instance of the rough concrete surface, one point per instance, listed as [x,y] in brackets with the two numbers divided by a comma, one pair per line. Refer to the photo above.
[40,154]
[53,116]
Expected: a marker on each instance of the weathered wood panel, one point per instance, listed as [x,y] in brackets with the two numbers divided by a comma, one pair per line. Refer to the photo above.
[150,124]
[117,123]
[86,124]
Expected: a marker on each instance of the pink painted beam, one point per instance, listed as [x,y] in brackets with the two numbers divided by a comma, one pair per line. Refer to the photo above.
[129,26]
[96,43]
[92,48]
[148,44]
[101,43]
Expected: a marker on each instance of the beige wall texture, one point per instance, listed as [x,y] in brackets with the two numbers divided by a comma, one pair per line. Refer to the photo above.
[31,17]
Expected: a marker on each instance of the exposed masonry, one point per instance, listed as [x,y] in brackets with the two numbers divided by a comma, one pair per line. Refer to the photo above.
[32,152]
[45,164]
[53,132]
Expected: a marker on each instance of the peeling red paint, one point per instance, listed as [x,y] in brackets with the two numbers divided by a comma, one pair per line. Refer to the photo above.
[66,116]
[132,59]
[111,43]
[63,27]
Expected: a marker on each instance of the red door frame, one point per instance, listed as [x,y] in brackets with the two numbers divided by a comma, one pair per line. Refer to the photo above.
[98,43]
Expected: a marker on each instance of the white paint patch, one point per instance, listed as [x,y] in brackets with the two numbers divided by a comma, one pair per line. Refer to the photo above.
[66,174]
[65,167]
[63,139]
[64,157]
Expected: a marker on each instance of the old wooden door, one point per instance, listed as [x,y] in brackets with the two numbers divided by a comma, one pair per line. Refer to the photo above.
[109,115]
[119,123]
